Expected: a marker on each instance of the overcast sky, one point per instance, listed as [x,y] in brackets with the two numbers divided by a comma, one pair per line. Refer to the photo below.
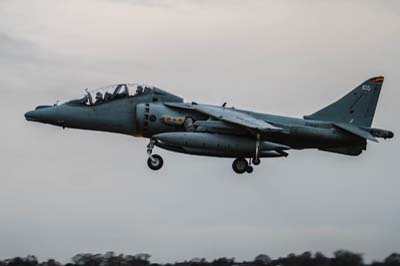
[68,191]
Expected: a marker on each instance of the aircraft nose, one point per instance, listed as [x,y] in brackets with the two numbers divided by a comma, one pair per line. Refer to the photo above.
[44,114]
[32,116]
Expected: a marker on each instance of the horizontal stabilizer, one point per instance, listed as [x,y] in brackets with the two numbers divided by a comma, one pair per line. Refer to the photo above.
[356,131]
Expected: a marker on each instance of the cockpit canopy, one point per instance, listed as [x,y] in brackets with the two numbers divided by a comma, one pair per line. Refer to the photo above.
[114,92]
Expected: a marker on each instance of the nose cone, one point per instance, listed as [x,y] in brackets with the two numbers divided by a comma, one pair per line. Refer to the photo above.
[30,116]
[43,114]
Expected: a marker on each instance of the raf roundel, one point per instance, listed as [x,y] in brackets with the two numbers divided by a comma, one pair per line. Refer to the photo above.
[153,118]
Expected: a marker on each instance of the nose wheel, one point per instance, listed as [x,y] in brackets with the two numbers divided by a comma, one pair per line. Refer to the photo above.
[155,161]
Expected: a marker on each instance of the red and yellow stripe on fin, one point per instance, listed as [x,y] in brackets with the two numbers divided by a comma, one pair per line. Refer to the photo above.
[378,79]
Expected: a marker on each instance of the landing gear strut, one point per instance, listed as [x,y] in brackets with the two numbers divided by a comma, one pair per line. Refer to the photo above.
[155,161]
[256,159]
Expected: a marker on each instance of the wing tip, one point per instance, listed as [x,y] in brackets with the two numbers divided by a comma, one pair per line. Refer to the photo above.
[379,79]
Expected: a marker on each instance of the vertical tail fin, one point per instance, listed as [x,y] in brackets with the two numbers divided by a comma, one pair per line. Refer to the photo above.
[357,107]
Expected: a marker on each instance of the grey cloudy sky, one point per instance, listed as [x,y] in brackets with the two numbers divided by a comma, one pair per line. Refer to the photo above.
[64,192]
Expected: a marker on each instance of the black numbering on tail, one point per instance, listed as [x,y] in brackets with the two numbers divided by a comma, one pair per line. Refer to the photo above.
[357,107]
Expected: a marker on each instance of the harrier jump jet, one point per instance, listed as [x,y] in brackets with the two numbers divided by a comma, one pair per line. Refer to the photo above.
[201,129]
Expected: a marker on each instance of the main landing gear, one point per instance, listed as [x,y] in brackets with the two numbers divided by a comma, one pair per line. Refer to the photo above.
[155,161]
[256,161]
[241,166]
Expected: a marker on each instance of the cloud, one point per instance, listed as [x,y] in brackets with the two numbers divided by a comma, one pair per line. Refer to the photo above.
[14,49]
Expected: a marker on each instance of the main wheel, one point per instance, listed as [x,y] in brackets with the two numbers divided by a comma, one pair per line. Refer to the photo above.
[155,162]
[256,161]
[240,165]
[249,169]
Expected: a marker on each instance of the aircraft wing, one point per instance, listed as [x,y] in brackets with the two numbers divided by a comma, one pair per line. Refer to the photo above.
[228,115]
[356,131]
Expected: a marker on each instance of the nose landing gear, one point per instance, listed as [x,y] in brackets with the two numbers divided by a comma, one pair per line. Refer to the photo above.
[155,161]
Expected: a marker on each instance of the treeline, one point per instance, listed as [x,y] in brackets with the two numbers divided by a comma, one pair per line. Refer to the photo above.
[339,258]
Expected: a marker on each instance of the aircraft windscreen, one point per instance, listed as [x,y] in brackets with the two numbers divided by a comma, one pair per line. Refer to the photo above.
[113,92]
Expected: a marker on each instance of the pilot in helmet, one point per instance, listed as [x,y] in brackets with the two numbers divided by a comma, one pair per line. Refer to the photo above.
[99,97]
[139,90]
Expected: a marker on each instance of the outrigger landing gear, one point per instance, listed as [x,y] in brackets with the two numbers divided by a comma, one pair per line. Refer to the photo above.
[155,161]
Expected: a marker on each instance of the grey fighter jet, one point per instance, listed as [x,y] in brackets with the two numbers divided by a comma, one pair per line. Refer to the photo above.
[200,129]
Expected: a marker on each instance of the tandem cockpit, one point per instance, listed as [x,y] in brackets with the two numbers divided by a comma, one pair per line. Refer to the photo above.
[113,92]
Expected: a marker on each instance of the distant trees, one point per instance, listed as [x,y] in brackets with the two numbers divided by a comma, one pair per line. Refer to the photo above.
[111,259]
[393,260]
[294,260]
[321,260]
[262,259]
[347,258]
[51,262]
[19,261]
[198,262]
[340,258]
[223,262]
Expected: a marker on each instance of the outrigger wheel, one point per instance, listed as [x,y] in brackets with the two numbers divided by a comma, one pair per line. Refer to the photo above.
[155,162]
